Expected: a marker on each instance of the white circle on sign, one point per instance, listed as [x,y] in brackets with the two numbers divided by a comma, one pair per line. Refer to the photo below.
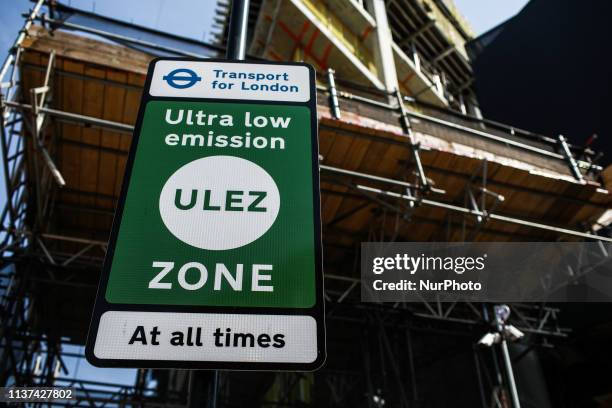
[219,202]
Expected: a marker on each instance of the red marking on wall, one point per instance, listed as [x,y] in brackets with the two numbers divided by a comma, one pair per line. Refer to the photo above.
[275,56]
[305,28]
[286,29]
[298,40]
[404,82]
[313,38]
[408,77]
[300,37]
[366,32]
[326,55]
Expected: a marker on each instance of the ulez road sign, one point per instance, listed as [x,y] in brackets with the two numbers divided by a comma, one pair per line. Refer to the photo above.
[214,259]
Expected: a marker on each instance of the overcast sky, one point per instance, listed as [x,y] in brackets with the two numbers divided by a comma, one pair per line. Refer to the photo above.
[192,18]
[486,14]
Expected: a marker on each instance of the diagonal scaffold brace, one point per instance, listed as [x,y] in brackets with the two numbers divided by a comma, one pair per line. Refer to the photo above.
[414,147]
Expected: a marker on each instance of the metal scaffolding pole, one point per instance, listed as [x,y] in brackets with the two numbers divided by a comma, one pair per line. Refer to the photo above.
[510,373]
[422,201]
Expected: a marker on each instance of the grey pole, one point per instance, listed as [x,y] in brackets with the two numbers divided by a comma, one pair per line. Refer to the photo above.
[502,313]
[236,38]
[236,50]
[510,373]
[215,389]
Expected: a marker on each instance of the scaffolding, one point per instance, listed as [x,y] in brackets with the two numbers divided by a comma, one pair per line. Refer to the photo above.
[39,265]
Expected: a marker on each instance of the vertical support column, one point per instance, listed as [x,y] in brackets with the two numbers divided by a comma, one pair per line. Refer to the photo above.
[413,383]
[9,92]
[516,403]
[437,80]
[415,147]
[333,94]
[407,127]
[462,104]
[502,312]
[383,51]
[415,57]
[7,181]
[472,109]
[475,110]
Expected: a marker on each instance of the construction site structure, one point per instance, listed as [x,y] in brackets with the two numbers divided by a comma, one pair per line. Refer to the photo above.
[404,156]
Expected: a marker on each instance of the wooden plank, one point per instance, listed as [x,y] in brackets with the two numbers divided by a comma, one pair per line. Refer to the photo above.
[352,160]
[87,50]
[114,104]
[93,105]
[72,101]
[335,157]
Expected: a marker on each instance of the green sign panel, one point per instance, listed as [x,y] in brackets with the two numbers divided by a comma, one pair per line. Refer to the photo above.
[214,259]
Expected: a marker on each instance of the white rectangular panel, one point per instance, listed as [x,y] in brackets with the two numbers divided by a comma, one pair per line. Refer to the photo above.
[226,80]
[250,338]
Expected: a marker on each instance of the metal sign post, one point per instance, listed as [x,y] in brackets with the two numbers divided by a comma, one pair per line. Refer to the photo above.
[214,260]
[236,39]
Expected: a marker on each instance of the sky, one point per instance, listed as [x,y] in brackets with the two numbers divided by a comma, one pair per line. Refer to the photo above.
[192,18]
[486,14]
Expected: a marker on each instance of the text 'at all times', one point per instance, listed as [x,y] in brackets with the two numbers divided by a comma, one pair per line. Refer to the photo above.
[193,336]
